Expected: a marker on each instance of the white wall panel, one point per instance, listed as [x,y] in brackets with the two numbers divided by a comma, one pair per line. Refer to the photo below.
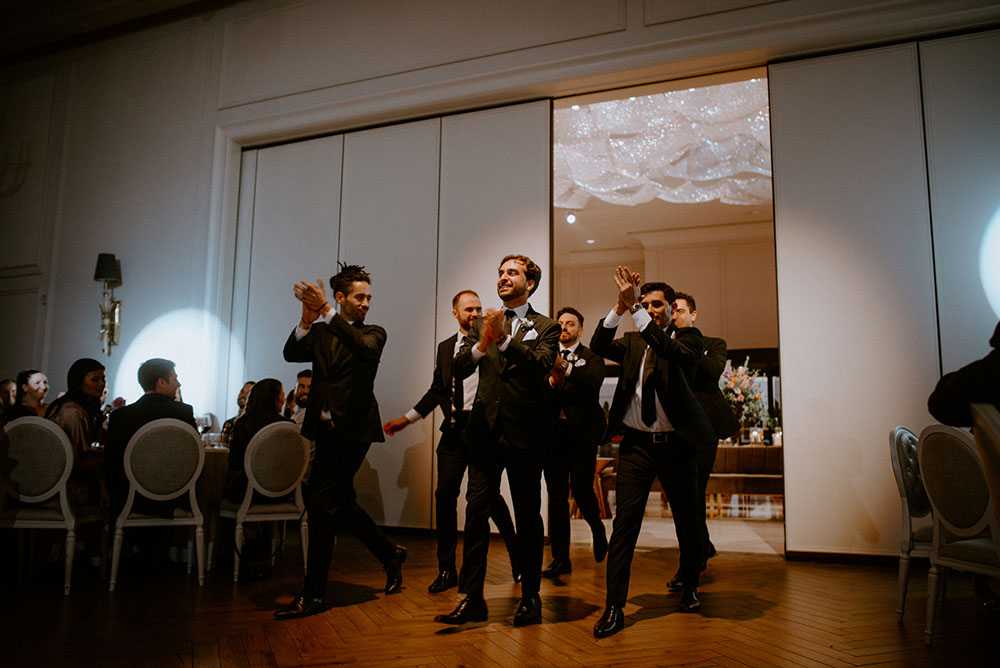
[963,135]
[327,43]
[296,219]
[390,207]
[855,289]
[495,200]
[132,181]
[21,301]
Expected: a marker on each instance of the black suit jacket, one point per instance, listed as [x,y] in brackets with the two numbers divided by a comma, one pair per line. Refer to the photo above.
[706,388]
[441,390]
[344,359]
[513,385]
[676,359]
[578,396]
[122,425]
[951,400]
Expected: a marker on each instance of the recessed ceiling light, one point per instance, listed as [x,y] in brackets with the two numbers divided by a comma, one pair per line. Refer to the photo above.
[570,217]
[590,241]
[575,107]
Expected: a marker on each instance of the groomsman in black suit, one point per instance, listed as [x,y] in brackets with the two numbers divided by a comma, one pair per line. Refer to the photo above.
[455,396]
[664,425]
[510,425]
[576,380]
[342,417]
[720,415]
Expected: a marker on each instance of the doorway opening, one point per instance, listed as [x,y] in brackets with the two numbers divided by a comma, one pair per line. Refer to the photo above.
[673,180]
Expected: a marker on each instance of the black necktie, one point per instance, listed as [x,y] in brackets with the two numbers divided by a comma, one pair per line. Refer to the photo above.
[508,318]
[458,394]
[564,353]
[649,389]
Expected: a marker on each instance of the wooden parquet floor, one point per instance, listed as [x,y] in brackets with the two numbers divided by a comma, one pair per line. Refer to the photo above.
[756,611]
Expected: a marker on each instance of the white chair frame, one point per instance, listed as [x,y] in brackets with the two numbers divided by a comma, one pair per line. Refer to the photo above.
[909,544]
[946,532]
[242,515]
[196,519]
[48,517]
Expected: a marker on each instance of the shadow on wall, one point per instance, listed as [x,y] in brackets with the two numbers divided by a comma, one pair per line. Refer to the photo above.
[411,479]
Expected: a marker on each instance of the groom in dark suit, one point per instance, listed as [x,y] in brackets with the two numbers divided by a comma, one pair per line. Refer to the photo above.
[664,425]
[342,417]
[455,396]
[510,425]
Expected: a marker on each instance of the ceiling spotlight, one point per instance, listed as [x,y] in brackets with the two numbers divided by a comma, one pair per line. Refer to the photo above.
[590,241]
[570,217]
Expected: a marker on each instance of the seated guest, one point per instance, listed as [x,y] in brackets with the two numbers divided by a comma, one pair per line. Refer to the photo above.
[241,403]
[973,383]
[8,390]
[159,380]
[29,399]
[295,407]
[79,414]
[263,408]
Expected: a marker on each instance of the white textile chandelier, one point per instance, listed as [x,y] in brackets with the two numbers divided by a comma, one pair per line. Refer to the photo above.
[685,146]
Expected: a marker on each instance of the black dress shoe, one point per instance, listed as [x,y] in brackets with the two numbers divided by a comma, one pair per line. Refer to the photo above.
[610,623]
[600,543]
[556,568]
[689,600]
[469,610]
[302,606]
[394,571]
[676,583]
[445,580]
[529,611]
[711,552]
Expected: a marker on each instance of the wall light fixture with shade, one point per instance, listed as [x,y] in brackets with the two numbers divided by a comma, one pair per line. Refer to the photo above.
[109,271]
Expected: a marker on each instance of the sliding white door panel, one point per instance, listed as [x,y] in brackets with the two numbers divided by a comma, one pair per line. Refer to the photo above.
[390,201]
[855,290]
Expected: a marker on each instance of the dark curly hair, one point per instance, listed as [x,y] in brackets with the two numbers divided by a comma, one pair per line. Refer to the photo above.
[348,274]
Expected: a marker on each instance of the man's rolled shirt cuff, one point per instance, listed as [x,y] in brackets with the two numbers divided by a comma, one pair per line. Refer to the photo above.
[641,319]
[413,416]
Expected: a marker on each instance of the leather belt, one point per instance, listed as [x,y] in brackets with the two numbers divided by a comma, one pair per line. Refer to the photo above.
[649,436]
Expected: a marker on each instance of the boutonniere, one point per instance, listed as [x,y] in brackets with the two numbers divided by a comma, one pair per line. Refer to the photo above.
[527,325]
[572,358]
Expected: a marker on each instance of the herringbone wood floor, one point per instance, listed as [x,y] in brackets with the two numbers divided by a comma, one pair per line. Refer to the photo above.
[757,611]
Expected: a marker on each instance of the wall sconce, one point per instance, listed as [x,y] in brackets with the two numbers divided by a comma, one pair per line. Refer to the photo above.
[109,271]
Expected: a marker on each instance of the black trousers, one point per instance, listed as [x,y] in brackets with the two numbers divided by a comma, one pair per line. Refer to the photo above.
[332,505]
[487,462]
[640,460]
[452,462]
[706,461]
[569,465]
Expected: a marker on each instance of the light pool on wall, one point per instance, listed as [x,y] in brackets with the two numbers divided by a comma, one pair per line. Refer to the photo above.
[187,337]
[989,262]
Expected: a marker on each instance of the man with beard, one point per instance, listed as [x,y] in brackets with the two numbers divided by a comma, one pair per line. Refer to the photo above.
[342,417]
[576,380]
[664,425]
[297,411]
[455,396]
[705,385]
[510,425]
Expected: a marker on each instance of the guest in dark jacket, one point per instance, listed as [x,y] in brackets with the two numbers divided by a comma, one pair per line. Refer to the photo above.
[79,414]
[972,384]
[263,408]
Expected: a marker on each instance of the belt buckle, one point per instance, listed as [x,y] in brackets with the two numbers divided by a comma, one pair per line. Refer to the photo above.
[659,437]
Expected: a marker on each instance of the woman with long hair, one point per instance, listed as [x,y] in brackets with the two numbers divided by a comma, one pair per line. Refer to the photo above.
[29,399]
[79,414]
[264,405]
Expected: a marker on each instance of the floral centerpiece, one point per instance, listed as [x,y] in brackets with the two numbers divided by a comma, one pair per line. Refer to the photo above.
[742,388]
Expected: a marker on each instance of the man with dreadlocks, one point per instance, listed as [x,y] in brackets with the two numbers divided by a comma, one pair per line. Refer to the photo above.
[342,417]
